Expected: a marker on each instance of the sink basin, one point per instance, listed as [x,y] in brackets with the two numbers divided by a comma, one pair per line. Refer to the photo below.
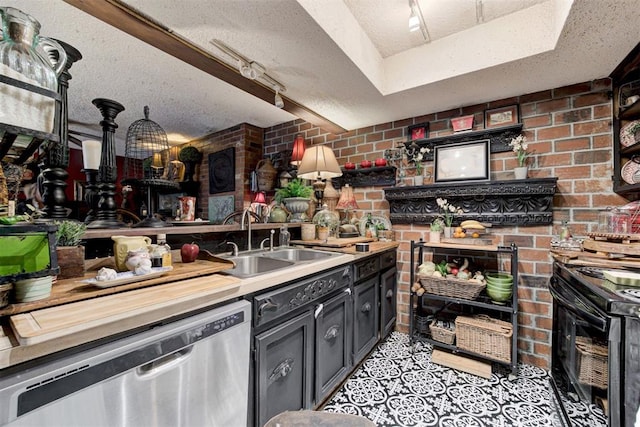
[298,255]
[252,265]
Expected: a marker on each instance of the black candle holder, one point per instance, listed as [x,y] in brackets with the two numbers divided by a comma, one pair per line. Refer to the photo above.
[107,216]
[91,195]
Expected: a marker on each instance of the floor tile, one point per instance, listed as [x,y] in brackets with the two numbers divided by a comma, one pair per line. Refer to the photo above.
[395,386]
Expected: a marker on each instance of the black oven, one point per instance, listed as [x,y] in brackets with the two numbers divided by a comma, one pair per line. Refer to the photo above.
[596,345]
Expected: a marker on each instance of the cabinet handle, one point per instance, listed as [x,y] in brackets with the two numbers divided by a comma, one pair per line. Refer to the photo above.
[267,305]
[332,332]
[282,370]
[366,307]
[389,294]
[319,309]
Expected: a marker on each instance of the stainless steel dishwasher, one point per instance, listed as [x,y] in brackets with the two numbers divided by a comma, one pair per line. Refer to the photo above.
[191,372]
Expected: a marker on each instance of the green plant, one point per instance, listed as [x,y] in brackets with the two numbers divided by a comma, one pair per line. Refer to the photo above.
[69,232]
[295,188]
[437,224]
[189,154]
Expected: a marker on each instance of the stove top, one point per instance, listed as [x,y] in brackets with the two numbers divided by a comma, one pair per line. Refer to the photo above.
[611,298]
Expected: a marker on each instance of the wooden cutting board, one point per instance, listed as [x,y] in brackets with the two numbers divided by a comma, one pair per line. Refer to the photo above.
[57,322]
[333,243]
[468,241]
[71,290]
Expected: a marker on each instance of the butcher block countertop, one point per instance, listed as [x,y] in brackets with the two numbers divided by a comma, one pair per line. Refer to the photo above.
[76,313]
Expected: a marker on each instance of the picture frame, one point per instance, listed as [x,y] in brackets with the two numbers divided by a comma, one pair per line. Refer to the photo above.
[419,131]
[79,190]
[465,161]
[503,116]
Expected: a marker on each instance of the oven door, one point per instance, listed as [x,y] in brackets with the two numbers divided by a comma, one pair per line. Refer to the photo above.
[585,340]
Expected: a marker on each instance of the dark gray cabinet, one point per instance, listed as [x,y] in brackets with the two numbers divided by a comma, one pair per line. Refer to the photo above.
[299,360]
[333,344]
[388,297]
[365,317]
[284,368]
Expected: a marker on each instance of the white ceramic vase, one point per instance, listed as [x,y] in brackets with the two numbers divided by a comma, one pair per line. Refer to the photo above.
[434,236]
[418,180]
[521,172]
[448,231]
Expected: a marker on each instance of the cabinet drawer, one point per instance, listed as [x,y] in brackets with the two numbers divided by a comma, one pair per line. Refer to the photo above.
[387,260]
[277,303]
[366,268]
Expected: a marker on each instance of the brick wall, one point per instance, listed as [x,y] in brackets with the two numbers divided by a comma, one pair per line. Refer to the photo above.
[569,130]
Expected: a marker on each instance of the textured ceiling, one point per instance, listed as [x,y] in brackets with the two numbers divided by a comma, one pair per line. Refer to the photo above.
[351,61]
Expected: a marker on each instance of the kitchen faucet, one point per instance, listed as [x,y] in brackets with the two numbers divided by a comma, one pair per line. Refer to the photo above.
[268,239]
[247,214]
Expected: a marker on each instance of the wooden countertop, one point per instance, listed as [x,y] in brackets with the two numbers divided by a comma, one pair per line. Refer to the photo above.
[36,333]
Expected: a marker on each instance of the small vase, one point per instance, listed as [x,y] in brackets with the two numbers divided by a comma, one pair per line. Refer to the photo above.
[521,172]
[418,180]
[434,236]
[448,231]
[323,233]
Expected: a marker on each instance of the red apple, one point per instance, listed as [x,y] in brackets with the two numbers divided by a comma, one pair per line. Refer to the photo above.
[349,165]
[189,252]
[381,162]
[365,164]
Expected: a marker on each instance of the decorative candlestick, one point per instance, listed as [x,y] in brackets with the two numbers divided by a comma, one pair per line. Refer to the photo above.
[57,153]
[108,171]
[91,161]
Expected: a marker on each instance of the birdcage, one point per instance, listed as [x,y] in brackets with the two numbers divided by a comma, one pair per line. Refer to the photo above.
[146,164]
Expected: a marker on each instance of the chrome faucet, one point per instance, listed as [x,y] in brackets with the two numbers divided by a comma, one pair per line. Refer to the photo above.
[270,239]
[235,248]
[247,214]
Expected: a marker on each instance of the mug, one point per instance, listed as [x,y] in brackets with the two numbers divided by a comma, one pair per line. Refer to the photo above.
[187,208]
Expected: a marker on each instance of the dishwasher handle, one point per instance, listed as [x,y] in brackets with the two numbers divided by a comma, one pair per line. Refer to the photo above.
[165,363]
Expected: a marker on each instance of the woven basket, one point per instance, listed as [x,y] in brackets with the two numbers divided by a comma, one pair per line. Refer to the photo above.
[442,333]
[451,287]
[592,363]
[484,335]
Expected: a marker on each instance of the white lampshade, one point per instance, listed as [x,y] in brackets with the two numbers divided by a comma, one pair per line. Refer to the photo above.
[319,162]
[91,154]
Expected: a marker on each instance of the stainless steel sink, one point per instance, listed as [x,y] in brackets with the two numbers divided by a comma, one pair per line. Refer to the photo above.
[254,264]
[298,255]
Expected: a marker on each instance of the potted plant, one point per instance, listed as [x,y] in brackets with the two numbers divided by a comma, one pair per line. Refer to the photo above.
[323,226]
[296,196]
[435,229]
[68,249]
[190,156]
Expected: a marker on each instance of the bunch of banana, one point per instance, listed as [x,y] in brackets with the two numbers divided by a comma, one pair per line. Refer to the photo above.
[472,224]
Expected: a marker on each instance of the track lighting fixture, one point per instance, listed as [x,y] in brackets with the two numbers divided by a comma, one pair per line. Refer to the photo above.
[416,20]
[278,102]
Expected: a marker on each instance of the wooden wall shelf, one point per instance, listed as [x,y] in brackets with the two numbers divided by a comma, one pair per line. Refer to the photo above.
[366,177]
[500,203]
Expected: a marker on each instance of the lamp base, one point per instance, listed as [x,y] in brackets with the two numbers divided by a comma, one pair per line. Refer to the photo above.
[106,223]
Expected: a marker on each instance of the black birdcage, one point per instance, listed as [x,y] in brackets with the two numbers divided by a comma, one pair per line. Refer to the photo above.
[146,164]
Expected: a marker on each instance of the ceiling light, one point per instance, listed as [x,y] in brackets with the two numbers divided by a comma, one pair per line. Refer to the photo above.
[414,21]
[278,102]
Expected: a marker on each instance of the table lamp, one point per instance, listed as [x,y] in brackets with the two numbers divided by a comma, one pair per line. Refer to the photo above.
[319,163]
[347,202]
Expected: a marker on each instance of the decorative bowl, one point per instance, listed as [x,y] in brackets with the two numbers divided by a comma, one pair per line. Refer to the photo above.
[499,277]
[500,286]
[499,296]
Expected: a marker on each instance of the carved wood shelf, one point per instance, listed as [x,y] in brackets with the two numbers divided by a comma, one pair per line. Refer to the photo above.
[500,203]
[498,139]
[366,177]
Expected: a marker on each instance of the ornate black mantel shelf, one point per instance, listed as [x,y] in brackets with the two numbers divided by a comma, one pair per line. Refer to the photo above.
[366,177]
[507,203]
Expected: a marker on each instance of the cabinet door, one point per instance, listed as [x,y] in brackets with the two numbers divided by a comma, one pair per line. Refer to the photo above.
[284,368]
[365,318]
[333,344]
[388,291]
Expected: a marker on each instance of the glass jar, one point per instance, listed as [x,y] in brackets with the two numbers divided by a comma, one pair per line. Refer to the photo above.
[27,57]
[613,220]
[326,218]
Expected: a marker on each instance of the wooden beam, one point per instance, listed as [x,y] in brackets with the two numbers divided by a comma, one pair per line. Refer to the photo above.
[137,25]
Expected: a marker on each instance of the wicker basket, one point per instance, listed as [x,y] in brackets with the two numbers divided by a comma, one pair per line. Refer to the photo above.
[592,363]
[451,287]
[442,332]
[484,335]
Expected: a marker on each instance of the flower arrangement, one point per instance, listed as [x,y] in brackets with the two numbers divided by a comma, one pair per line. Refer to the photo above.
[417,156]
[448,210]
[519,146]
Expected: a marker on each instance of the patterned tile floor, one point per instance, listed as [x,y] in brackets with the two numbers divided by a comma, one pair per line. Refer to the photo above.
[395,387]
